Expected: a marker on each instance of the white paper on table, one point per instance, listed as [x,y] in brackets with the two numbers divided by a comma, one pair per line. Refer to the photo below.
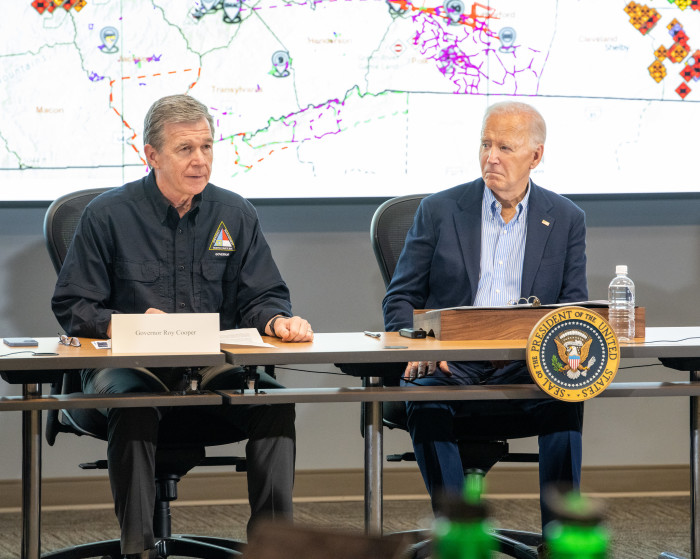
[243,336]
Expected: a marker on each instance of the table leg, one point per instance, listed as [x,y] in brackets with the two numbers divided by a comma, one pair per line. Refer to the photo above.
[694,478]
[31,477]
[694,472]
[374,450]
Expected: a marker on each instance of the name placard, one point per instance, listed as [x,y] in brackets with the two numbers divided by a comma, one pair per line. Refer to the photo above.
[165,333]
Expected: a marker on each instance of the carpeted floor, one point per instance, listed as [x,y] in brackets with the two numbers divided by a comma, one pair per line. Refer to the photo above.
[641,527]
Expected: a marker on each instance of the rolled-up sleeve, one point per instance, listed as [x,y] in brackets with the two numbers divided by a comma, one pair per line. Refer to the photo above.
[260,292]
[81,297]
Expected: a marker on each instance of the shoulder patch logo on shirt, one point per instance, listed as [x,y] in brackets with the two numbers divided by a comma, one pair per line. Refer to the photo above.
[572,354]
[222,240]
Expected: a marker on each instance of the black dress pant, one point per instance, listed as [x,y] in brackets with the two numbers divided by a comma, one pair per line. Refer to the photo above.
[134,435]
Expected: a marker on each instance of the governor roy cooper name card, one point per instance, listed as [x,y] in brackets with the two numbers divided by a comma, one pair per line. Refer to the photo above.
[165,333]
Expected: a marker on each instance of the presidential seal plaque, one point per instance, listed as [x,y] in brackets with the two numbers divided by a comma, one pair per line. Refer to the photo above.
[572,354]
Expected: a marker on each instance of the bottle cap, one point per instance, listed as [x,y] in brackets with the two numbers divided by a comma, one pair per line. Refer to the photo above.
[574,508]
[473,486]
[621,269]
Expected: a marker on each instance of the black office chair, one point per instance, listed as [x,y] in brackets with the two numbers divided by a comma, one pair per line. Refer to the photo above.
[180,448]
[483,434]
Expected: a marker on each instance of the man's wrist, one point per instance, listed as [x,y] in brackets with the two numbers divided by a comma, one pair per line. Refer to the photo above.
[272,324]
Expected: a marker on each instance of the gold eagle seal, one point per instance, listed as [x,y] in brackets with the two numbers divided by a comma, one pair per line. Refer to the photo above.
[572,354]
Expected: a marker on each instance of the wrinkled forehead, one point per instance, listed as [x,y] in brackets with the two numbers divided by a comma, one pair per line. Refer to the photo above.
[505,124]
[512,129]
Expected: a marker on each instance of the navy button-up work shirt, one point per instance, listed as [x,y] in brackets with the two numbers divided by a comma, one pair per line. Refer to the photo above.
[132,252]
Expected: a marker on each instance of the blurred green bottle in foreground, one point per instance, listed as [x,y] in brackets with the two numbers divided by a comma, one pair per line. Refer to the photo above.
[462,529]
[577,530]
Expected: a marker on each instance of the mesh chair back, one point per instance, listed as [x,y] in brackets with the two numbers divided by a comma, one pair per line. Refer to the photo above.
[61,220]
[60,223]
[390,223]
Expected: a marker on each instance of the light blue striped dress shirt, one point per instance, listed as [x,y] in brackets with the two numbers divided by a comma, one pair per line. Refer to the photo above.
[502,252]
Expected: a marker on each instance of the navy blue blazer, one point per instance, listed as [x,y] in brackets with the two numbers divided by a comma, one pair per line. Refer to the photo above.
[439,264]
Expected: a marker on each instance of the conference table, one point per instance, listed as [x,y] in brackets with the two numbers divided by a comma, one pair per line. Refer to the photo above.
[358,352]
[22,366]
[366,354]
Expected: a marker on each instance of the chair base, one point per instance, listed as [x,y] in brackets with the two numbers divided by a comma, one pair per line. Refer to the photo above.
[512,543]
[516,543]
[180,545]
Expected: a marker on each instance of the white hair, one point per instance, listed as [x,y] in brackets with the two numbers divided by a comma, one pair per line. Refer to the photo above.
[537,128]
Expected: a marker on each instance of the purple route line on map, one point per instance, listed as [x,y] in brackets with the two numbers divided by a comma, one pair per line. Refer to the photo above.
[465,70]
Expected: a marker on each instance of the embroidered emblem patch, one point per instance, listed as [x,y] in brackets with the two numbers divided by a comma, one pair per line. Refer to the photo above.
[572,354]
[222,240]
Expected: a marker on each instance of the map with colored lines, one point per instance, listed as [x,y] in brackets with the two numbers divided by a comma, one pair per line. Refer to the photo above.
[350,98]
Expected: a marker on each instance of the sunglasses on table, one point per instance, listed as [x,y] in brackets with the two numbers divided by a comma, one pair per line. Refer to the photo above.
[68,340]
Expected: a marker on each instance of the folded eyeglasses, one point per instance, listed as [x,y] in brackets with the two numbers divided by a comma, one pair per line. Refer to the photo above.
[533,301]
[68,340]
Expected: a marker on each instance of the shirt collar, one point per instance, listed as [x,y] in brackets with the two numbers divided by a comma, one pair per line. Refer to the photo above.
[162,205]
[494,207]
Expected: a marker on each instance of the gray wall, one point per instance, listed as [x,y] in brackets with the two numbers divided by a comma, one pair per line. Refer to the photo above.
[324,252]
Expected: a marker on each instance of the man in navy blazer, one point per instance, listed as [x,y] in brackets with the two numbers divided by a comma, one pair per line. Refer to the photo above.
[491,241]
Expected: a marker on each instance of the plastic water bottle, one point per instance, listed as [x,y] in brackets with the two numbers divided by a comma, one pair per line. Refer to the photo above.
[621,304]
[462,529]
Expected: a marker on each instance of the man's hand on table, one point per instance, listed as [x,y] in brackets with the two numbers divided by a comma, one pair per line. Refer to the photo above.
[290,329]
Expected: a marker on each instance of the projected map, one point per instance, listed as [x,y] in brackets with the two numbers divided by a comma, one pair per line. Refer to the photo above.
[350,98]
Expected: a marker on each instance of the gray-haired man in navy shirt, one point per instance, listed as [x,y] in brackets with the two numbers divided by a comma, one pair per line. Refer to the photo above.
[173,242]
